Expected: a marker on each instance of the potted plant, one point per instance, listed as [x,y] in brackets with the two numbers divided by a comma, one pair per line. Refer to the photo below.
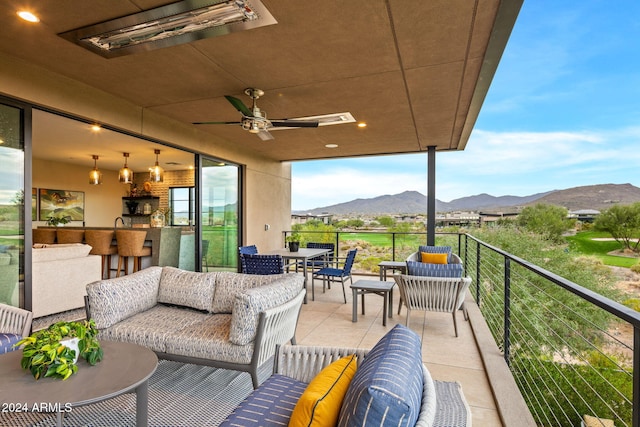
[293,241]
[55,221]
[53,352]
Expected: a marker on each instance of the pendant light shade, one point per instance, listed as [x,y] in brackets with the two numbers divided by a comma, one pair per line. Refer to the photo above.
[125,175]
[156,173]
[95,176]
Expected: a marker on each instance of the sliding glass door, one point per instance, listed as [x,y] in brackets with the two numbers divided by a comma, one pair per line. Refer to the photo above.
[12,205]
[220,220]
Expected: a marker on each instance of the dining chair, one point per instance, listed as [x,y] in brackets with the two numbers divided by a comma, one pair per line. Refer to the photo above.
[322,260]
[15,324]
[334,274]
[263,264]
[246,250]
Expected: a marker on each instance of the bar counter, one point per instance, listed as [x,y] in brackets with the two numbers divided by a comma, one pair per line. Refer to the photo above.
[164,242]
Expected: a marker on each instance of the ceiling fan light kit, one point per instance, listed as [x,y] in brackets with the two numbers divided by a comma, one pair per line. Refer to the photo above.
[255,120]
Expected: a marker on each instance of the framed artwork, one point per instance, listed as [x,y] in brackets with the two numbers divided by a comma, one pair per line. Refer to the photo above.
[34,204]
[61,204]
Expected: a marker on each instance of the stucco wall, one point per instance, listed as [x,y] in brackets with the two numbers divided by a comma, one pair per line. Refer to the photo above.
[267,183]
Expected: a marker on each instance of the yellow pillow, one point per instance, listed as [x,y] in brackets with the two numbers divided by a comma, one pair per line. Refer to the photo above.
[320,403]
[434,258]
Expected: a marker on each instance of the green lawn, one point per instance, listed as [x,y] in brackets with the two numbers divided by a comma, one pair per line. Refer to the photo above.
[584,243]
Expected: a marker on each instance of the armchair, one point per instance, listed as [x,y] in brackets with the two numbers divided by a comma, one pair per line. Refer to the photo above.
[451,258]
[440,294]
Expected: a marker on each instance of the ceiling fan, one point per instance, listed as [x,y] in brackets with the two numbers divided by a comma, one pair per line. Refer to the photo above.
[255,120]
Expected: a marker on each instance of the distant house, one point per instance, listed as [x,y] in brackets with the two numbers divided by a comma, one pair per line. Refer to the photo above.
[584,215]
[303,218]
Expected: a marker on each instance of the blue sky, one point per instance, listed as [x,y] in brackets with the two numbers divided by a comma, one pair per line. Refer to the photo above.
[563,111]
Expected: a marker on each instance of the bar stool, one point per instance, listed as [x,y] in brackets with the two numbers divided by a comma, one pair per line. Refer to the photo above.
[69,236]
[45,236]
[100,242]
[131,244]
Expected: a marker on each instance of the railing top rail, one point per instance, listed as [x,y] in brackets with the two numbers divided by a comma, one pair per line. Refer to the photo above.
[615,308]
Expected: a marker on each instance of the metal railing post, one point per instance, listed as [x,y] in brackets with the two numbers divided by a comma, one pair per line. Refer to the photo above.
[393,246]
[507,309]
[635,415]
[478,273]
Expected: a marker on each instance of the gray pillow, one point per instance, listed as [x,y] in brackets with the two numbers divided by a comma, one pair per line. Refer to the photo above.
[187,288]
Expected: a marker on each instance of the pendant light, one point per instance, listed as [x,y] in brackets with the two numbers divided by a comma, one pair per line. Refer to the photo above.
[156,173]
[125,175]
[95,176]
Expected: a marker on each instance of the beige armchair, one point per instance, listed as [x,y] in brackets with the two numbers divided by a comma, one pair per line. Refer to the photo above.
[440,294]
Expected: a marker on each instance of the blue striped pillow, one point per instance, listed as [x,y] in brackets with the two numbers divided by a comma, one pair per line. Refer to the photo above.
[387,387]
[415,268]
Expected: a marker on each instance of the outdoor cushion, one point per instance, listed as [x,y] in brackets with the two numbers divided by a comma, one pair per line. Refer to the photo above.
[320,403]
[230,284]
[387,388]
[435,249]
[113,300]
[58,252]
[7,341]
[248,305]
[433,258]
[269,405]
[187,288]
[415,268]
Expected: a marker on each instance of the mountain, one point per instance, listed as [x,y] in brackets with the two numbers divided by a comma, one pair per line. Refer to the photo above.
[597,197]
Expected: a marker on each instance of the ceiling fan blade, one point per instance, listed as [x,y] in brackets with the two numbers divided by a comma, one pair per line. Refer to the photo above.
[239,105]
[265,135]
[292,123]
[216,123]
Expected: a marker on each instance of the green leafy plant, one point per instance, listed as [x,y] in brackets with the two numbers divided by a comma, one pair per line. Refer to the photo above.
[54,221]
[45,356]
[293,237]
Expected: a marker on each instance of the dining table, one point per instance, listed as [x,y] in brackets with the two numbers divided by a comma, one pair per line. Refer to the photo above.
[304,255]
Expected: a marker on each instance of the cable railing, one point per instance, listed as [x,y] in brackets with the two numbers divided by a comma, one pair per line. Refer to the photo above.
[572,351]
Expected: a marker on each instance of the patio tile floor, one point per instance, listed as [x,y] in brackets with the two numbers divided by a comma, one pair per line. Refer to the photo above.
[327,321]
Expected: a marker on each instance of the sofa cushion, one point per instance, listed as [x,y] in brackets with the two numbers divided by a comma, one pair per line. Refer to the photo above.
[270,405]
[7,341]
[113,300]
[433,270]
[187,288]
[229,284]
[152,328]
[320,403]
[209,339]
[58,252]
[388,385]
[248,305]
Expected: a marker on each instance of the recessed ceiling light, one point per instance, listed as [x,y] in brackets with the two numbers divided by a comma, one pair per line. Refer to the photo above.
[331,145]
[362,125]
[96,128]
[28,16]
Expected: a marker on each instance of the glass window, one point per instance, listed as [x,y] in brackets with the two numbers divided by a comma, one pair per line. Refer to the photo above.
[220,191]
[182,204]
[12,199]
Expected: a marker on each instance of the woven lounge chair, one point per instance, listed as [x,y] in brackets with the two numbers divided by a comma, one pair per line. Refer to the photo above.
[332,274]
[15,324]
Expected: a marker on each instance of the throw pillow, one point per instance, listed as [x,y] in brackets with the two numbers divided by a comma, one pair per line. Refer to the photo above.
[387,388]
[230,284]
[433,258]
[433,270]
[187,288]
[320,403]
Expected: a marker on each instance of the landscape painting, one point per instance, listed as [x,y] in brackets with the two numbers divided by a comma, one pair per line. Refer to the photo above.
[61,204]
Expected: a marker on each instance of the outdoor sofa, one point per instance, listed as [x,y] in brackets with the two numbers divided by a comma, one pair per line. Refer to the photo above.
[221,319]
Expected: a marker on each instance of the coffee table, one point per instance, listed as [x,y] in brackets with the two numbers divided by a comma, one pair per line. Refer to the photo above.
[124,368]
[384,289]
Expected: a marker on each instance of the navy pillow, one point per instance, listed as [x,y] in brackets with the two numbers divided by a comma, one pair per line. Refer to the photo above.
[415,268]
[387,387]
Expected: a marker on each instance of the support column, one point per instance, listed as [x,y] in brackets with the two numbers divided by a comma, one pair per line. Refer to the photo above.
[431,195]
